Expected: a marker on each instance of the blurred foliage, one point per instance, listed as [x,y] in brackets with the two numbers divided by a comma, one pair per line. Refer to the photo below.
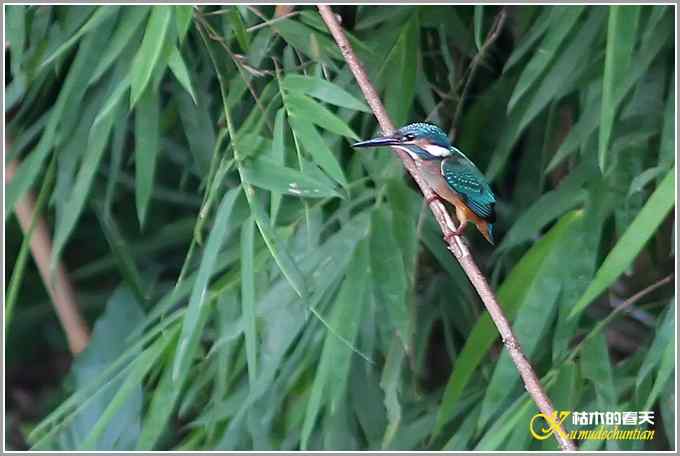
[268,287]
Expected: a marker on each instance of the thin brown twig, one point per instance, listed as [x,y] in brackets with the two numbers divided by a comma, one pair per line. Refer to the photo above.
[474,65]
[272,21]
[455,243]
[642,293]
[239,66]
[60,290]
[623,307]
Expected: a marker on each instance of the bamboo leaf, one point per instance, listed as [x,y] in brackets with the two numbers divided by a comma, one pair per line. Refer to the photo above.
[621,38]
[279,156]
[633,240]
[147,148]
[562,22]
[330,381]
[390,281]
[323,90]
[179,69]
[267,174]
[478,25]
[72,91]
[96,145]
[239,28]
[149,54]
[100,15]
[129,24]
[307,110]
[315,145]
[183,16]
[199,291]
[248,295]
[511,295]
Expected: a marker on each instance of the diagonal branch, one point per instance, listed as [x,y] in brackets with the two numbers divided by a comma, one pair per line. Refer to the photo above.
[455,243]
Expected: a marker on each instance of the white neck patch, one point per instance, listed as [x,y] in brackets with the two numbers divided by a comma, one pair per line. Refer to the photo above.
[406,149]
[437,151]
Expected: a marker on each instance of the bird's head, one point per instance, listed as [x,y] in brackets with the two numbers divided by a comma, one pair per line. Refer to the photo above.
[424,141]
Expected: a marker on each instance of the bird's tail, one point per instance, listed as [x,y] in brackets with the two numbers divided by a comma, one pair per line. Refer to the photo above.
[487,232]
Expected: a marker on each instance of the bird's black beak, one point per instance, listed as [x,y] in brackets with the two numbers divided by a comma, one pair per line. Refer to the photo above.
[378,142]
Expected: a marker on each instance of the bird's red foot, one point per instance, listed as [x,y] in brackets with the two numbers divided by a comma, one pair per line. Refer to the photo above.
[454,233]
[429,199]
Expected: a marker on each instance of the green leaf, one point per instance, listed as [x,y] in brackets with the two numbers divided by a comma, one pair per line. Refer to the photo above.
[390,282]
[283,259]
[562,22]
[667,146]
[122,253]
[533,318]
[279,156]
[547,208]
[129,23]
[478,25]
[199,129]
[149,54]
[105,346]
[655,36]
[528,41]
[641,180]
[101,14]
[71,94]
[633,240]
[306,109]
[663,341]
[317,147]
[390,383]
[248,295]
[96,146]
[239,28]
[179,69]
[183,16]
[330,382]
[666,369]
[16,35]
[567,69]
[597,367]
[130,389]
[511,295]
[317,46]
[621,38]
[400,92]
[560,79]
[199,292]
[147,147]
[267,174]
[323,90]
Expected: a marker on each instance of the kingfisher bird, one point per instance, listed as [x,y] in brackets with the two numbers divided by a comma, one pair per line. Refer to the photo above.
[449,173]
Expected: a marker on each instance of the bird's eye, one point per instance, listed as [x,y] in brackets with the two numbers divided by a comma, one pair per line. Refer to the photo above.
[409,137]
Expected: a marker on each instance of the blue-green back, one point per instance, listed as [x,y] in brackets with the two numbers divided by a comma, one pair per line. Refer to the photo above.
[465,179]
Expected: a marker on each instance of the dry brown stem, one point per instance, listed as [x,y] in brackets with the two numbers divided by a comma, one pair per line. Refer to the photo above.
[456,245]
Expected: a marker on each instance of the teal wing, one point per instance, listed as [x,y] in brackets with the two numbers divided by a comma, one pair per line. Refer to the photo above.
[465,179]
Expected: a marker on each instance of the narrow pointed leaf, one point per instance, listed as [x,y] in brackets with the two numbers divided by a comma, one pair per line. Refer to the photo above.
[179,69]
[147,147]
[100,15]
[315,145]
[248,295]
[149,54]
[633,240]
[621,38]
[323,90]
[302,107]
[199,293]
[267,174]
